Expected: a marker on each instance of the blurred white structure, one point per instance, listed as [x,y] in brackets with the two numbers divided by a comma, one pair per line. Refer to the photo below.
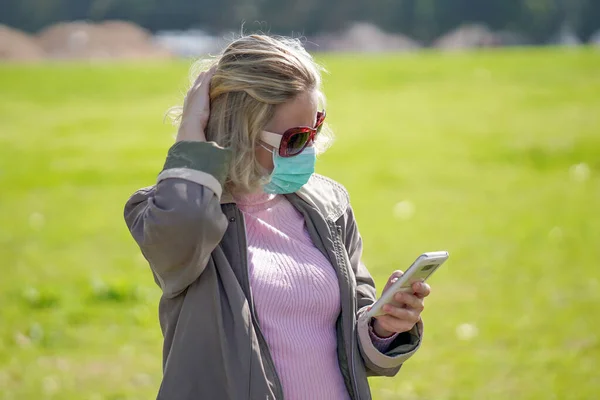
[595,39]
[190,43]
[566,37]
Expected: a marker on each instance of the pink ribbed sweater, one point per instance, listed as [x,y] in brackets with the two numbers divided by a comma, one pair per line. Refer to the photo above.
[297,300]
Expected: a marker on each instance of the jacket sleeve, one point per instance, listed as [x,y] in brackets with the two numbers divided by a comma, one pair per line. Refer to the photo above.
[405,344]
[178,222]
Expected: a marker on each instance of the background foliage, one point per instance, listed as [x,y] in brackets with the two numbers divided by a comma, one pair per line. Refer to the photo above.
[421,19]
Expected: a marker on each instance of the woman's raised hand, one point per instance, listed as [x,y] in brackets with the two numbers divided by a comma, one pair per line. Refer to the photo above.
[196,109]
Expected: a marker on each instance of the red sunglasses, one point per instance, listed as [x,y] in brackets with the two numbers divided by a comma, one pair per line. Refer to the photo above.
[294,140]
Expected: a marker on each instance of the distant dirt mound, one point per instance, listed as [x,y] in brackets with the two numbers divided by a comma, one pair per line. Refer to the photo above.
[467,37]
[107,40]
[362,37]
[18,46]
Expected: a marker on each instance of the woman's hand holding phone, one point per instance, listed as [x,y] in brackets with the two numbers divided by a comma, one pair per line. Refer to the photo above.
[404,312]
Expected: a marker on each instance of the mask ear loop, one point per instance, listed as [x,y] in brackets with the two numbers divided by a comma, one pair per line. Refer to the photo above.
[264,147]
[270,151]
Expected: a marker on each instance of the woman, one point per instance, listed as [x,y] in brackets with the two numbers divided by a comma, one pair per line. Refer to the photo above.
[259,259]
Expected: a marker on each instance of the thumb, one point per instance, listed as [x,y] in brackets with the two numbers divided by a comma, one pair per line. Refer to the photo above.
[392,279]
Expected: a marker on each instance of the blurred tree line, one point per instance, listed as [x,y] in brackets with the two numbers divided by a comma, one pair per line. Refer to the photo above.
[421,19]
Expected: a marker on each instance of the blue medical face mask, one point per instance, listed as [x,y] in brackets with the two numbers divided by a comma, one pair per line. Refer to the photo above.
[291,173]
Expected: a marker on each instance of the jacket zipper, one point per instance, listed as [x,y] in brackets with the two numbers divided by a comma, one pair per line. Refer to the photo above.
[261,339]
[353,341]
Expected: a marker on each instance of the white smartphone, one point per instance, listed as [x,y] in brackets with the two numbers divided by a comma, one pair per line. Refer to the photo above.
[423,267]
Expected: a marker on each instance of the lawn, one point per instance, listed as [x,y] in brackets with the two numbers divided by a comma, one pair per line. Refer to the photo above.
[494,156]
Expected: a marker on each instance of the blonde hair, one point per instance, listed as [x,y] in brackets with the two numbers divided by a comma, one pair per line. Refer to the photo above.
[254,74]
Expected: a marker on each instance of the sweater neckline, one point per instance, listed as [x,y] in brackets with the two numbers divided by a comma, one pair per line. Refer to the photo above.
[257,201]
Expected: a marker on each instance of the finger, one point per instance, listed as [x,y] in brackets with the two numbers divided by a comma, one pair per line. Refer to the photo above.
[199,80]
[204,77]
[403,314]
[205,85]
[197,84]
[208,74]
[410,300]
[392,279]
[421,289]
[392,324]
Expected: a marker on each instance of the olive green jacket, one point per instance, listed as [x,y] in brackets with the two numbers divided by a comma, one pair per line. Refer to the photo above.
[193,236]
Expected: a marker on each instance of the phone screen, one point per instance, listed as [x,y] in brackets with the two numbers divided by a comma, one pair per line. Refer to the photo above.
[419,271]
[422,274]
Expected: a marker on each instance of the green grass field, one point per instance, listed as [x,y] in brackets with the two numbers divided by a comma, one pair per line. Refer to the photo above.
[493,156]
